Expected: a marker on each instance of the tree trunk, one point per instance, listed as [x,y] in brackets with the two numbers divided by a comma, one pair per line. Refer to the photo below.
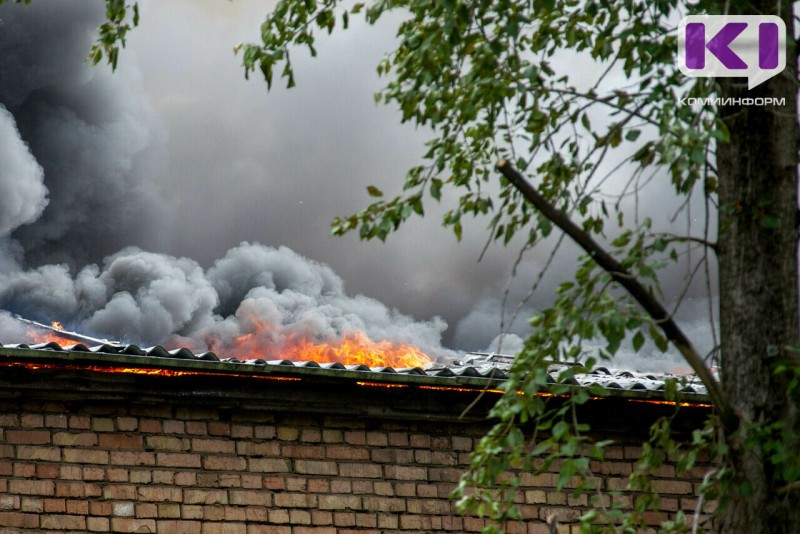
[758,277]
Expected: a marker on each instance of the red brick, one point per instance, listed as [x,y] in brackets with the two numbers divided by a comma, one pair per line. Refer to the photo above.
[421,441]
[398,439]
[103,424]
[173,427]
[63,522]
[9,420]
[269,448]
[177,460]
[94,473]
[230,513]
[80,422]
[362,487]
[28,437]
[27,504]
[179,527]
[11,502]
[84,439]
[99,508]
[217,428]
[16,519]
[241,431]
[85,456]
[339,502]
[127,424]
[48,454]
[355,438]
[388,521]
[55,505]
[400,472]
[24,470]
[159,494]
[342,452]
[166,443]
[296,484]
[196,428]
[120,441]
[230,480]
[322,518]
[274,483]
[285,433]
[251,481]
[257,513]
[163,476]
[314,467]
[377,439]
[319,485]
[32,487]
[384,504]
[146,510]
[675,487]
[132,458]
[97,524]
[224,463]
[46,471]
[462,444]
[256,498]
[191,512]
[294,500]
[354,470]
[151,426]
[214,445]
[330,435]
[268,465]
[202,496]
[185,478]
[123,524]
[77,507]
[32,421]
[265,432]
[120,491]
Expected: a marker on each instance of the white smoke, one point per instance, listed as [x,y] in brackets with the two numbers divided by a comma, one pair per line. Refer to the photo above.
[23,195]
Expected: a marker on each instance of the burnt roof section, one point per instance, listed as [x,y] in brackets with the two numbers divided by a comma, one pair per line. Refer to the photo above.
[475,370]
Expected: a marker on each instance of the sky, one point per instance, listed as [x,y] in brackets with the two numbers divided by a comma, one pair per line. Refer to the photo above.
[148,196]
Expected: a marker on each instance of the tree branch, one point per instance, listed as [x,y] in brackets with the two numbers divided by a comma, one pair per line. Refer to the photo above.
[640,293]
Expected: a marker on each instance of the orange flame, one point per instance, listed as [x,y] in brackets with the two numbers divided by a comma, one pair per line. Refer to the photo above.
[57,325]
[353,349]
[43,336]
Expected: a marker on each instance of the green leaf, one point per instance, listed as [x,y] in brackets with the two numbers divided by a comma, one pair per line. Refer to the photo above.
[374,191]
[638,341]
[633,135]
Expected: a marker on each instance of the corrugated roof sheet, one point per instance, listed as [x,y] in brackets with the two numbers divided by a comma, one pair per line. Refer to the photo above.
[475,369]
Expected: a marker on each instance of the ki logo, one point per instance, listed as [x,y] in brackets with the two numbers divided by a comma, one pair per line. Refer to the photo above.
[751,46]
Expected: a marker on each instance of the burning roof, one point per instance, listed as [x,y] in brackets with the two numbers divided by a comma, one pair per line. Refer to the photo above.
[476,372]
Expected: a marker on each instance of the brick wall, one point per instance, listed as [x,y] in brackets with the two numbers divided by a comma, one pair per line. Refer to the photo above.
[152,465]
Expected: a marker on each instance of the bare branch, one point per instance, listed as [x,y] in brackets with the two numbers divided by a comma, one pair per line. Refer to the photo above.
[635,289]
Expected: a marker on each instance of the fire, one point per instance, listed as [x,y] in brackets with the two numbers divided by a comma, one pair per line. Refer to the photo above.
[57,325]
[354,348]
[43,336]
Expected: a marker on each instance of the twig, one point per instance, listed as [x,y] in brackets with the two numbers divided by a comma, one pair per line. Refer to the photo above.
[634,288]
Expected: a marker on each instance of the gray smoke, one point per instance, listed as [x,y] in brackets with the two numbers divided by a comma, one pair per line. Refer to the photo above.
[91,162]
[275,295]
[88,132]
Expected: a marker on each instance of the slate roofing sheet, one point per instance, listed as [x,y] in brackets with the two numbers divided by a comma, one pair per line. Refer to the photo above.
[474,369]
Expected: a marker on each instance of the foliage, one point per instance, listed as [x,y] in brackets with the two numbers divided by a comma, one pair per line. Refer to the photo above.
[489,80]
